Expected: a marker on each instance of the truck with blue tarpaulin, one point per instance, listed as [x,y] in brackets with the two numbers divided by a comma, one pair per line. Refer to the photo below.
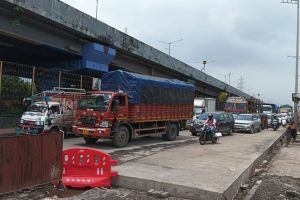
[132,105]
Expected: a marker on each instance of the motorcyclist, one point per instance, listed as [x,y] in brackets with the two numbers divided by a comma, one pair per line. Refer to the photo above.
[276,118]
[212,124]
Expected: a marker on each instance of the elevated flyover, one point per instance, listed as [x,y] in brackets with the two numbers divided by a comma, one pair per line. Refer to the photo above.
[51,33]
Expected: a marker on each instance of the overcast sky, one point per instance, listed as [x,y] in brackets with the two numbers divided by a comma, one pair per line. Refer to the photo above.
[251,39]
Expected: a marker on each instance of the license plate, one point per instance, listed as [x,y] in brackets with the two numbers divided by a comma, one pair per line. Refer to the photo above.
[85,131]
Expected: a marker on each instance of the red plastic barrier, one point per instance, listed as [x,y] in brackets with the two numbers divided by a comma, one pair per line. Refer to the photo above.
[85,167]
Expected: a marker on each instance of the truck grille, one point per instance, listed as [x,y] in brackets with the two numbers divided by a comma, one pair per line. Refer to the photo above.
[27,122]
[88,120]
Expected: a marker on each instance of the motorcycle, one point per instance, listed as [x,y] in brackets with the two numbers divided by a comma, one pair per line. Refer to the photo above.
[205,135]
[275,125]
[283,122]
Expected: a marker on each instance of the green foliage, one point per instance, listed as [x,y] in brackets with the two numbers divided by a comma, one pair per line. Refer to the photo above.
[222,97]
[14,90]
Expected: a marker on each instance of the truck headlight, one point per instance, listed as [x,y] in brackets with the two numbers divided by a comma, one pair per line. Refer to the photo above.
[104,124]
[21,121]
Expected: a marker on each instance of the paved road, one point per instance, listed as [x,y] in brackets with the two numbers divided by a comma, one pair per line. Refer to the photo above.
[142,147]
[140,142]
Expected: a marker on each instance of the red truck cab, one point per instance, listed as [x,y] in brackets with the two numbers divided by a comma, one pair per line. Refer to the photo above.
[98,112]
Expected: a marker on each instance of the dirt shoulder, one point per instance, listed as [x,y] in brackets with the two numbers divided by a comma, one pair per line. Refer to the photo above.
[277,179]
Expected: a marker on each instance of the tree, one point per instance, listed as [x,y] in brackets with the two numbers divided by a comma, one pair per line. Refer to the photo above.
[14,90]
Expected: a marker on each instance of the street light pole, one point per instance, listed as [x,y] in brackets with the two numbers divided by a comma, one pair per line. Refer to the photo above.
[97,9]
[297,56]
[297,61]
[204,63]
[169,44]
[229,84]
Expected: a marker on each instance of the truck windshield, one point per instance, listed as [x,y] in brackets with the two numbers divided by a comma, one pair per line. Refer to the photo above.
[97,103]
[267,108]
[38,108]
[240,106]
[229,106]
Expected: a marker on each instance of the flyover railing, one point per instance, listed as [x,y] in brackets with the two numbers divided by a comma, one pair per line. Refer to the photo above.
[18,82]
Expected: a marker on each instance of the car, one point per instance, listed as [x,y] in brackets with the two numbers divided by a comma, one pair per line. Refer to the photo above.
[247,123]
[234,115]
[225,122]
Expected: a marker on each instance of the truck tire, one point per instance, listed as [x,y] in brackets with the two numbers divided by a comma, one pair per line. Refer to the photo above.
[90,140]
[121,137]
[172,133]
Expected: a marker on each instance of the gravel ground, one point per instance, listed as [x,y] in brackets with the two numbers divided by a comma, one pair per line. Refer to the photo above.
[264,185]
[278,187]
[48,192]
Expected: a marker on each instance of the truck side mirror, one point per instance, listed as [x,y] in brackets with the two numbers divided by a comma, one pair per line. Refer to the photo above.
[49,122]
[115,107]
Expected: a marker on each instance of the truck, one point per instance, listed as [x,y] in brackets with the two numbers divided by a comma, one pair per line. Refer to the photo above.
[203,105]
[268,108]
[131,105]
[288,109]
[51,111]
[236,105]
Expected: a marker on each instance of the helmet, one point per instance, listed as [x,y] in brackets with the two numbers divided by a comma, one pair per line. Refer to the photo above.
[210,116]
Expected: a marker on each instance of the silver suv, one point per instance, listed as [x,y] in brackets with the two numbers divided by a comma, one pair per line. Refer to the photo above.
[247,122]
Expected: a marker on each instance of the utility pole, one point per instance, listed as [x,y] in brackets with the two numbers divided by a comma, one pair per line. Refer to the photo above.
[241,83]
[297,56]
[229,84]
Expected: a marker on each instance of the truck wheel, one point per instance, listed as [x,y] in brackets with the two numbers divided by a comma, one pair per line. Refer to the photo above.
[121,137]
[171,133]
[90,140]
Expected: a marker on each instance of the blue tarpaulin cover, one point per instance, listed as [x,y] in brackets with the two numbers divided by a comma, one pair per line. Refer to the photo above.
[143,89]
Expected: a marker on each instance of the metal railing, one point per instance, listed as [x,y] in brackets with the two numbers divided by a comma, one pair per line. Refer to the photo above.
[18,82]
